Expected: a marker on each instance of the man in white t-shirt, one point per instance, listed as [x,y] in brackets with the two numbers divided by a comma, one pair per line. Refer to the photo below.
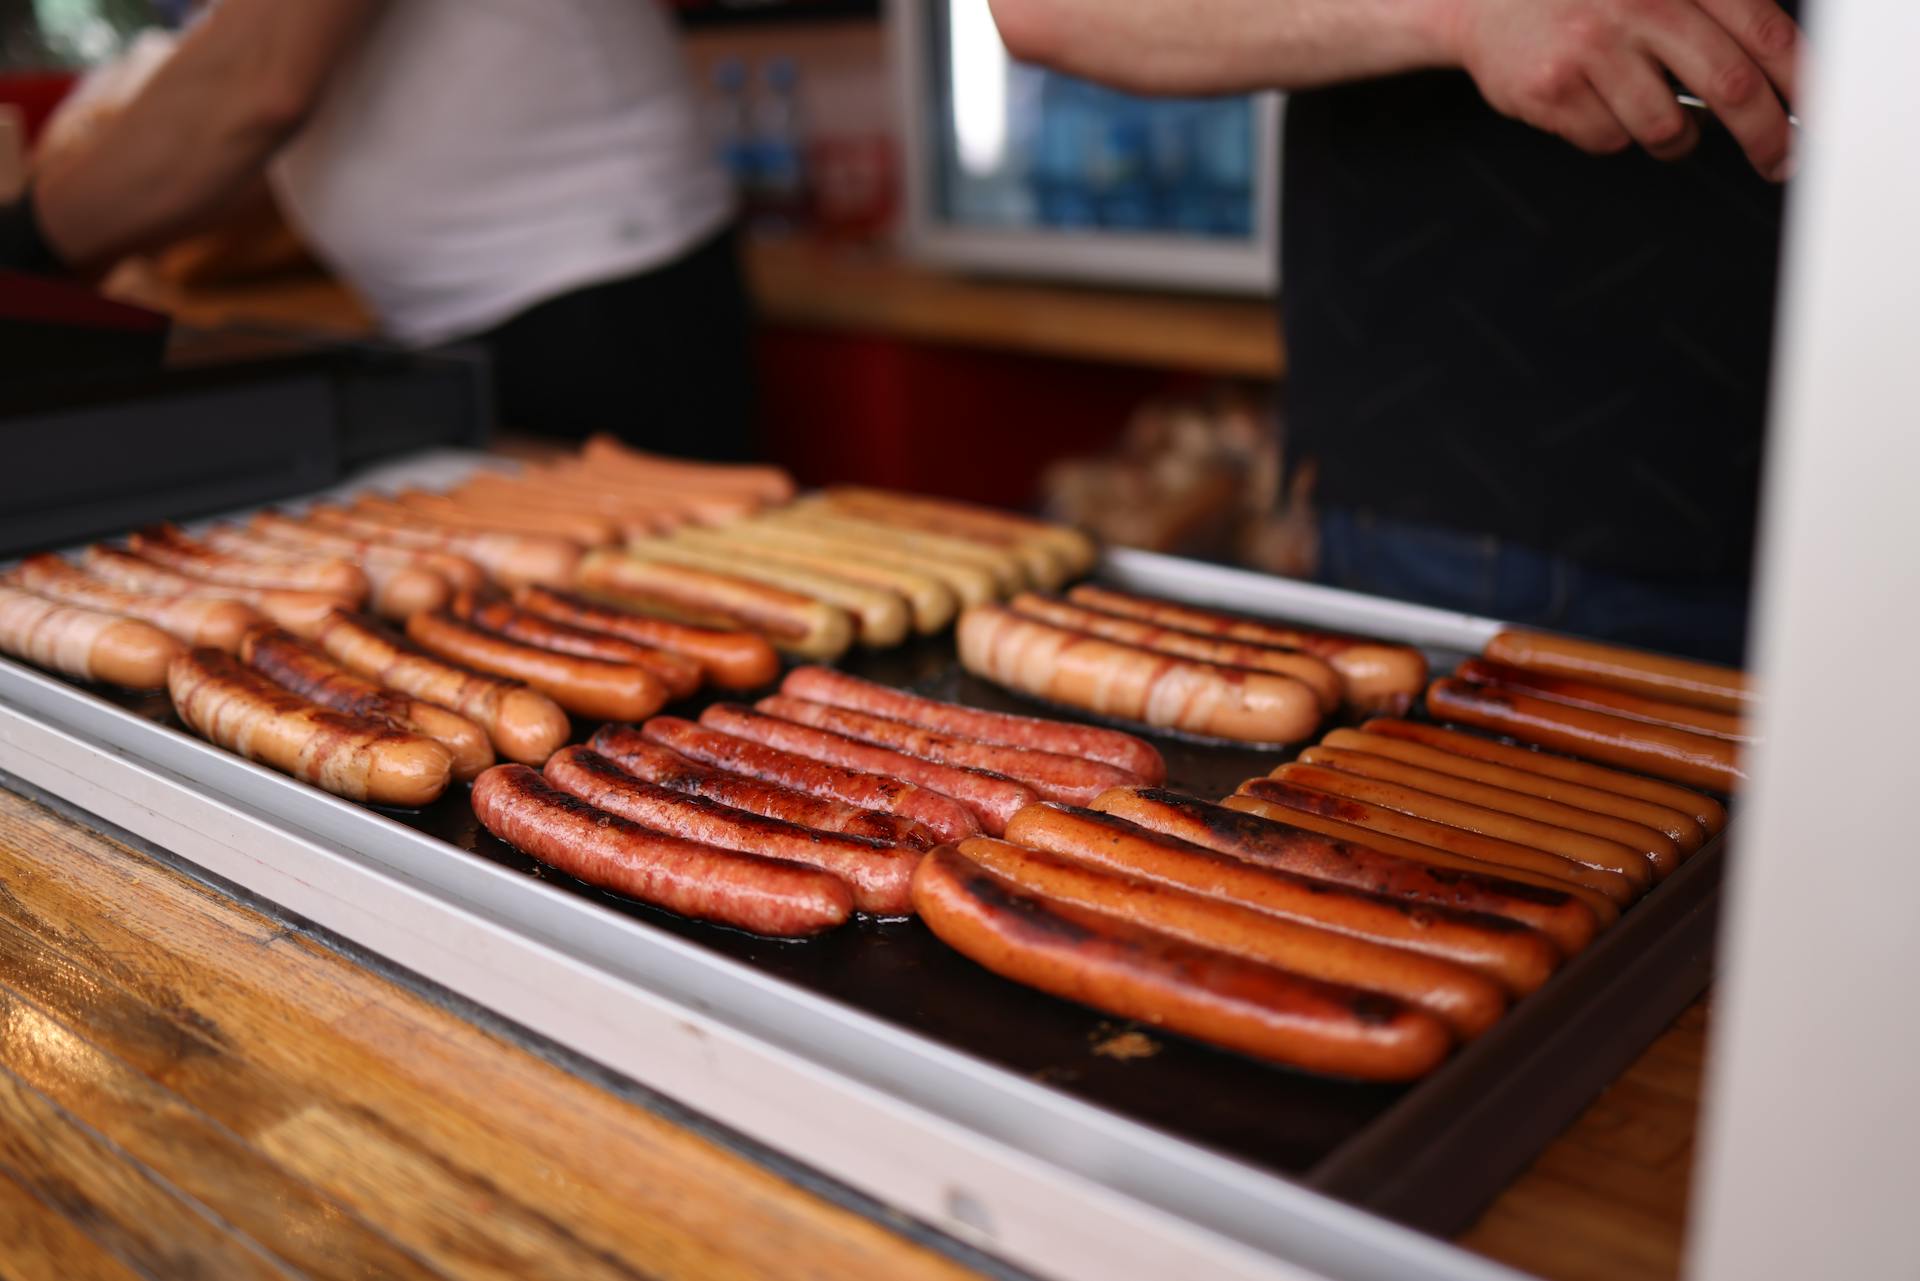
[529,173]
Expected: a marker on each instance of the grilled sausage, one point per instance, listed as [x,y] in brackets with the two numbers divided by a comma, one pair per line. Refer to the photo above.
[1468,1003]
[748,892]
[1558,914]
[628,748]
[1075,552]
[460,573]
[493,497]
[967,583]
[1009,573]
[1088,742]
[931,605]
[1678,680]
[510,559]
[351,756]
[798,624]
[167,545]
[1504,950]
[679,674]
[524,724]
[396,589]
[1378,677]
[85,643]
[1135,684]
[882,617]
[754,480]
[1056,777]
[1142,974]
[577,526]
[197,620]
[945,817]
[575,478]
[293,664]
[1682,757]
[298,612]
[993,798]
[731,659]
[877,874]
[1604,698]
[587,687]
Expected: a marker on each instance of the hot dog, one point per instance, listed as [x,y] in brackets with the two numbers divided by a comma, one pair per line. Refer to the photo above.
[167,545]
[1691,759]
[524,724]
[1593,852]
[584,686]
[396,589]
[730,659]
[1558,914]
[992,798]
[1659,849]
[1043,566]
[1073,549]
[577,526]
[197,620]
[1468,1003]
[1502,949]
[459,572]
[1678,680]
[510,559]
[969,584]
[1315,673]
[1487,849]
[877,874]
[945,817]
[628,748]
[85,643]
[882,616]
[1088,742]
[298,612]
[1143,974]
[930,603]
[745,891]
[1009,573]
[295,665]
[767,483]
[492,497]
[1378,677]
[1134,684]
[577,478]
[795,623]
[678,673]
[361,759]
[1056,777]
[1604,698]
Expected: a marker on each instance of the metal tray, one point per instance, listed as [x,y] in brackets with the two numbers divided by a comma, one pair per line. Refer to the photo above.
[984,1108]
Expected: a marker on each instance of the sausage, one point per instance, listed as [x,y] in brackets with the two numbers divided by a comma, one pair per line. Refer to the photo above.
[1056,777]
[576,478]
[1316,674]
[510,559]
[1041,565]
[85,643]
[968,584]
[524,724]
[1468,1003]
[197,620]
[628,748]
[1558,914]
[1603,698]
[1709,813]
[1659,849]
[587,687]
[1488,849]
[396,590]
[577,526]
[491,491]
[748,892]
[755,480]
[1142,974]
[460,573]
[298,612]
[1007,570]
[351,756]
[1075,552]
[679,674]
[1135,684]
[877,874]
[945,817]
[167,545]
[1679,680]
[1378,677]
[730,659]
[293,664]
[1681,828]
[1593,852]
[495,497]
[993,798]
[1088,742]
[1682,757]
[882,617]
[930,604]
[797,624]
[1511,954]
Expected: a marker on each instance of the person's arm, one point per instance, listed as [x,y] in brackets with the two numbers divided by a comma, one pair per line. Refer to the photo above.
[1592,71]
[241,83]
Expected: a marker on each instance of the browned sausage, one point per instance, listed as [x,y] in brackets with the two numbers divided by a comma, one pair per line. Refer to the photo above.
[398,589]
[797,624]
[1056,777]
[876,873]
[754,480]
[1604,698]
[731,659]
[197,620]
[678,673]
[581,527]
[1143,974]
[945,817]
[86,643]
[746,891]
[510,559]
[1680,680]
[824,685]
[1504,950]
[298,612]
[1558,914]
[167,545]
[584,686]
[460,573]
[492,497]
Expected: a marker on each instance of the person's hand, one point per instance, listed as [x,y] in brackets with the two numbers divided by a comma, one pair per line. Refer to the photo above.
[1595,71]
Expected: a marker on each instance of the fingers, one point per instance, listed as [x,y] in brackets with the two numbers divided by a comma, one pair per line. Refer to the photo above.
[1708,60]
[1584,119]
[1640,99]
[1768,35]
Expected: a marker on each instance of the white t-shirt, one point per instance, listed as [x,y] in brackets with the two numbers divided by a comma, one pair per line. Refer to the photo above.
[475,157]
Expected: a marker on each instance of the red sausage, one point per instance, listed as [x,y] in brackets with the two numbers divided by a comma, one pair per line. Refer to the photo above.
[1603,698]
[731,659]
[678,673]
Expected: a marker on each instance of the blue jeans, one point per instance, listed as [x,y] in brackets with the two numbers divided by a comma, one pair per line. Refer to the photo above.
[1477,574]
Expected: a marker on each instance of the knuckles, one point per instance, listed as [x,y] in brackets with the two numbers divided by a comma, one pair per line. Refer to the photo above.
[1736,84]
[1775,33]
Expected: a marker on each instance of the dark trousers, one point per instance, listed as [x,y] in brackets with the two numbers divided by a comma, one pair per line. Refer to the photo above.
[662,359]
